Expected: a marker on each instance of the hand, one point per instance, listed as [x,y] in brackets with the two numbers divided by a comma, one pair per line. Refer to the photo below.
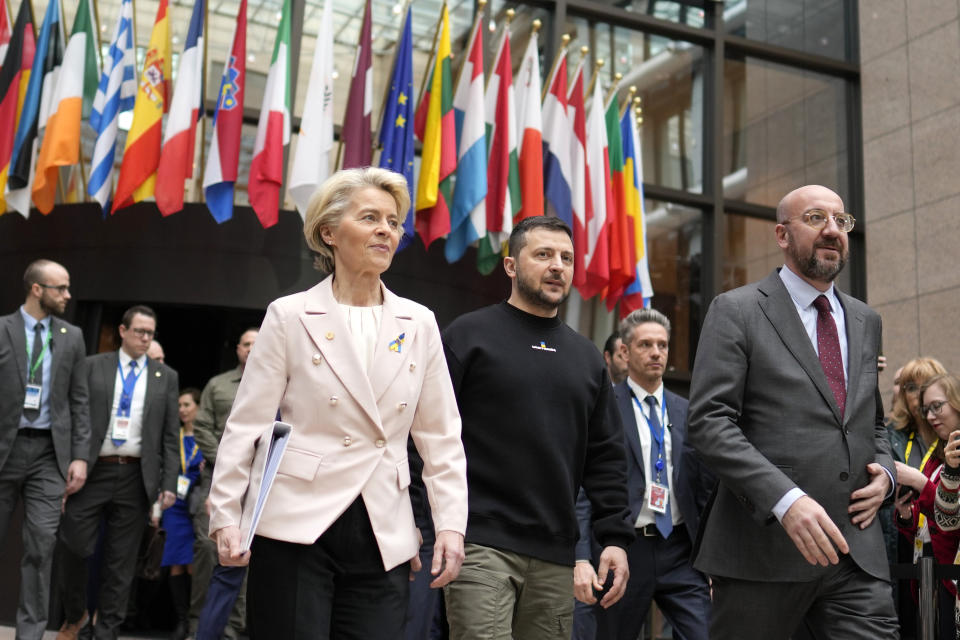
[908,476]
[415,563]
[866,501]
[904,505]
[228,547]
[615,559]
[881,363]
[813,532]
[154,519]
[951,452]
[447,555]
[585,582]
[167,498]
[76,476]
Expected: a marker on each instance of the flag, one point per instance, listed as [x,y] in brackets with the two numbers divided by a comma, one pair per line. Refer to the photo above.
[311,166]
[141,155]
[597,258]
[75,90]
[36,109]
[116,92]
[220,173]
[503,173]
[14,79]
[581,195]
[529,127]
[396,130]
[357,148]
[621,253]
[468,213]
[273,130]
[5,32]
[638,294]
[177,153]
[435,126]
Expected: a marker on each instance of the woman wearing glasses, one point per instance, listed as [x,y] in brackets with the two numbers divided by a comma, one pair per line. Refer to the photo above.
[919,489]
[354,369]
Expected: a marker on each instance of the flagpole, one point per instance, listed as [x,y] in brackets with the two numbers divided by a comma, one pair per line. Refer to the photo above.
[433,48]
[593,78]
[393,68]
[631,92]
[198,177]
[617,77]
[565,41]
[476,21]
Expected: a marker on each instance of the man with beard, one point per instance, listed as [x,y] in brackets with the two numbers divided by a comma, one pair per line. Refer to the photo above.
[44,428]
[785,411]
[538,422]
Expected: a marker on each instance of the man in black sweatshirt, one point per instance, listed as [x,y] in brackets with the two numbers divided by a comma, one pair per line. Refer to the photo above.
[538,422]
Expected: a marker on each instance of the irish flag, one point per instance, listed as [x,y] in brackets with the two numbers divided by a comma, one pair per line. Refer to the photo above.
[176,156]
[435,126]
[76,86]
[273,130]
[141,155]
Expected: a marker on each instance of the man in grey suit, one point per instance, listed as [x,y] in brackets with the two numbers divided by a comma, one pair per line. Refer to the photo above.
[44,428]
[134,460]
[785,410]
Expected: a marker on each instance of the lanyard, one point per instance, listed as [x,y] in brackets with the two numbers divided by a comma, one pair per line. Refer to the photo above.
[126,396]
[656,435]
[36,365]
[183,457]
[923,462]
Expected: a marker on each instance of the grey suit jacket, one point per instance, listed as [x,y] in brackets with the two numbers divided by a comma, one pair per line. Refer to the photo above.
[70,419]
[763,419]
[160,454]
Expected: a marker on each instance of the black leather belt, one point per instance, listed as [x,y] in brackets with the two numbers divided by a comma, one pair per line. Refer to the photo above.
[30,432]
[648,531]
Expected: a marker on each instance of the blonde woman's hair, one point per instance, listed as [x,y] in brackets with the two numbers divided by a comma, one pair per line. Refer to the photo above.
[917,372]
[331,199]
[951,389]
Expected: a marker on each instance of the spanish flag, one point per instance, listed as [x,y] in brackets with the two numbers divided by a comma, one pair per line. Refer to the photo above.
[76,86]
[435,126]
[141,155]
[14,78]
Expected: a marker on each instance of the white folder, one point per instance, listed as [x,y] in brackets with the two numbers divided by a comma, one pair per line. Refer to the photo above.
[269,451]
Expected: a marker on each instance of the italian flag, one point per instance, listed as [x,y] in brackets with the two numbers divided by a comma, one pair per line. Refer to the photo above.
[273,130]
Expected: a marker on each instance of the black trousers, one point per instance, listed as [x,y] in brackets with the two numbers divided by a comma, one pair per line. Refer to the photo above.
[334,589]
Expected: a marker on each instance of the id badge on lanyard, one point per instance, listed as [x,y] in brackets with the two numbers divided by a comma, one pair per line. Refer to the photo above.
[657,497]
[31,400]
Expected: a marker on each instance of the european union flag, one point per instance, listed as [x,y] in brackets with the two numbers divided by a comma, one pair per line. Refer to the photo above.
[396,130]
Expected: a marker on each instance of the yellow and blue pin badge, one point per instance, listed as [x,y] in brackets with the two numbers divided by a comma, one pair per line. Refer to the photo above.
[397,345]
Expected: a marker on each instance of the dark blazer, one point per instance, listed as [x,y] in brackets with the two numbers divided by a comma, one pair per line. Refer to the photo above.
[691,482]
[763,418]
[70,419]
[160,454]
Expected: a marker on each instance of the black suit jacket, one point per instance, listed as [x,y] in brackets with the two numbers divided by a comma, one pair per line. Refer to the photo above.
[160,452]
[763,418]
[691,483]
[70,419]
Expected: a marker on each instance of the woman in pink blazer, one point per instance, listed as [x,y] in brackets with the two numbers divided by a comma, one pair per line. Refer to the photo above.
[355,369]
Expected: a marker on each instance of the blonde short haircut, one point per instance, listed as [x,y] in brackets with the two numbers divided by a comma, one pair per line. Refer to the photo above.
[328,204]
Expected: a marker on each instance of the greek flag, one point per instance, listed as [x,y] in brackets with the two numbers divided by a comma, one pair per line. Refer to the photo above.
[116,93]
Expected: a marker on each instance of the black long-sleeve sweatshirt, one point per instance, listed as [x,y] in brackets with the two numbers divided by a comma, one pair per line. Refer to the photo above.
[538,421]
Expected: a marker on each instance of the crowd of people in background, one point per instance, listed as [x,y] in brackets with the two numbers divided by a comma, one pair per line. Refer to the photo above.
[427,493]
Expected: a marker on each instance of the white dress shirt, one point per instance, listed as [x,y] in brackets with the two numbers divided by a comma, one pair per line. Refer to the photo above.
[364,325]
[132,445]
[641,414]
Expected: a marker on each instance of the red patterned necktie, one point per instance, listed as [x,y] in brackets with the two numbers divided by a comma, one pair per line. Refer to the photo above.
[828,347]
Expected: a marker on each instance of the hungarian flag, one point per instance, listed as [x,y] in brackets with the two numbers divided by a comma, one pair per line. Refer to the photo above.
[273,130]
[357,147]
[141,154]
[468,213]
[638,294]
[503,172]
[177,156]
[622,262]
[14,78]
[220,173]
[529,126]
[597,257]
[76,87]
[33,117]
[435,126]
[311,166]
[581,195]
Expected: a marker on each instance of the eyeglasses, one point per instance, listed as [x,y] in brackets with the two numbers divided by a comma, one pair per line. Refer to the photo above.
[60,288]
[817,219]
[933,407]
[144,333]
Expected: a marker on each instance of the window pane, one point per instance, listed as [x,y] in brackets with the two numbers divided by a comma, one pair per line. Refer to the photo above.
[812,26]
[668,76]
[783,128]
[674,244]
